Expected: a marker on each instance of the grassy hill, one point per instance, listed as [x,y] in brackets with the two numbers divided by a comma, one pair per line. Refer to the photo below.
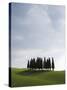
[23,77]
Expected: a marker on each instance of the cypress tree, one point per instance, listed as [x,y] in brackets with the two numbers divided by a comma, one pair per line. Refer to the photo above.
[53,66]
[49,64]
[38,63]
[28,66]
[44,64]
[41,65]
[31,64]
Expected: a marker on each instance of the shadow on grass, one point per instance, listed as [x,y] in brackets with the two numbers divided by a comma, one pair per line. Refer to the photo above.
[31,72]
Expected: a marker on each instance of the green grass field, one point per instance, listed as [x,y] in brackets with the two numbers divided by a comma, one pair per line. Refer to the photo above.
[23,77]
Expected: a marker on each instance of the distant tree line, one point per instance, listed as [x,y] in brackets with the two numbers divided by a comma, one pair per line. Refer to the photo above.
[39,63]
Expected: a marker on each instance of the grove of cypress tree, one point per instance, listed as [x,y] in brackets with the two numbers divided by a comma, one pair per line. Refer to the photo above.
[40,64]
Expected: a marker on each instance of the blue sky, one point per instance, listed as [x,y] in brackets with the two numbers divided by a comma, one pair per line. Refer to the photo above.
[37,30]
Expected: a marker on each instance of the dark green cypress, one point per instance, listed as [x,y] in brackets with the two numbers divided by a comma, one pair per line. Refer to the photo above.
[53,65]
[44,64]
[49,64]
[28,66]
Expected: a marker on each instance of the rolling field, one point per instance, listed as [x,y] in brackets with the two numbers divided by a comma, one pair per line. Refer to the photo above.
[23,77]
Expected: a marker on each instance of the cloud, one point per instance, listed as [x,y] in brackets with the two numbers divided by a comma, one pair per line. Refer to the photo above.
[37,30]
[18,38]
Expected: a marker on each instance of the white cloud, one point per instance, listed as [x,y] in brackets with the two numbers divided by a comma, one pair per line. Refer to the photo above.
[19,38]
[38,34]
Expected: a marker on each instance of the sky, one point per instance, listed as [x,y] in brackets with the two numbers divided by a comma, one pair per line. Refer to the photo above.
[37,30]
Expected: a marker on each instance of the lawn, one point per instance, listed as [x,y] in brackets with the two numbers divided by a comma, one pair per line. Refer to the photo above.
[24,77]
